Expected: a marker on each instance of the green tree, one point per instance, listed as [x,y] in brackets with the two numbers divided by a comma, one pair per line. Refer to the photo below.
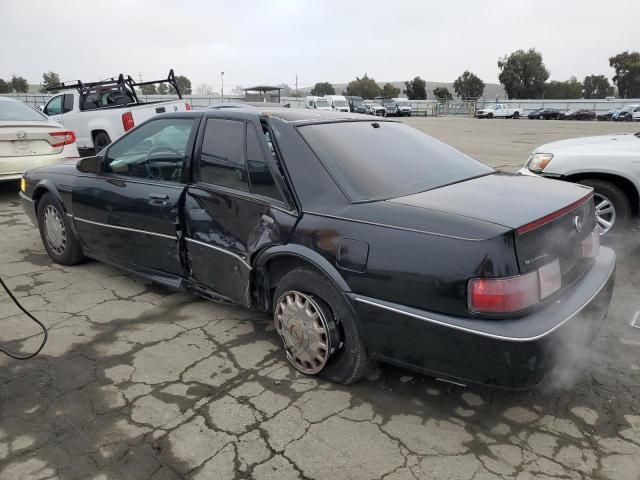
[149,89]
[48,80]
[389,91]
[523,74]
[572,88]
[596,86]
[416,89]
[4,86]
[162,89]
[19,84]
[364,87]
[321,89]
[442,93]
[627,77]
[468,86]
[184,84]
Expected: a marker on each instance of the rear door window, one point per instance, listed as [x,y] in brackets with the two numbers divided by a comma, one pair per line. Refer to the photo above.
[260,178]
[68,103]
[222,158]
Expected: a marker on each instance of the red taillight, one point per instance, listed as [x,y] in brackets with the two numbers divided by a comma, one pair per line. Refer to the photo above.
[127,121]
[513,294]
[552,216]
[187,106]
[63,138]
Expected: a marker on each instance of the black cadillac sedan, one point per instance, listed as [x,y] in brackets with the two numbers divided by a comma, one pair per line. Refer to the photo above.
[366,239]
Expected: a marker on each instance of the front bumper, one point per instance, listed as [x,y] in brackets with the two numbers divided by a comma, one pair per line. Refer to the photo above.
[29,208]
[508,353]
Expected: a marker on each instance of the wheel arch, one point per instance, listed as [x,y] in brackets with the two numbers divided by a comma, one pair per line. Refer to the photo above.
[622,182]
[273,263]
[45,186]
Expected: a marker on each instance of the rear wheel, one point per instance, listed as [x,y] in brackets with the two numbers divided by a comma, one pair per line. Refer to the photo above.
[55,230]
[318,328]
[100,141]
[516,115]
[613,208]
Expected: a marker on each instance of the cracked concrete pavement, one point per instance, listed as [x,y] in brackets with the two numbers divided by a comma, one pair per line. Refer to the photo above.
[139,382]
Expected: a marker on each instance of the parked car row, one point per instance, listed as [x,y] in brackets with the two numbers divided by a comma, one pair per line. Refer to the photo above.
[628,113]
[384,107]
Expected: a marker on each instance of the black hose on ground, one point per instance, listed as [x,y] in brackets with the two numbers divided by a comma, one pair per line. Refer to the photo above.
[28,314]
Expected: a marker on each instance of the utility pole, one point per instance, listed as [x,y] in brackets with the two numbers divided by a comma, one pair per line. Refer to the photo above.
[222,87]
[139,77]
[296,84]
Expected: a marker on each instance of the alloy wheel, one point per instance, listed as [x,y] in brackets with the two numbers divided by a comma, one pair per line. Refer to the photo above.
[308,335]
[54,230]
[605,213]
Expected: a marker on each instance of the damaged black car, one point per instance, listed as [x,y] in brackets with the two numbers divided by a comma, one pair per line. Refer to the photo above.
[366,240]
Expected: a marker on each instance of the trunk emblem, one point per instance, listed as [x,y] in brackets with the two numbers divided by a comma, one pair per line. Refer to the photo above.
[577,222]
[21,134]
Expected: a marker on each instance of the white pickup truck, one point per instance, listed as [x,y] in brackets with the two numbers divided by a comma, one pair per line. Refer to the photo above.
[100,112]
[498,110]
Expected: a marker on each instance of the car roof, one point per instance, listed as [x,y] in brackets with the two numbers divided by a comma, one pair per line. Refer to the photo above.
[292,115]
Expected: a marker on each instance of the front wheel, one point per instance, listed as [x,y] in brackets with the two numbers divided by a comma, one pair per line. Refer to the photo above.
[55,230]
[490,115]
[613,209]
[318,328]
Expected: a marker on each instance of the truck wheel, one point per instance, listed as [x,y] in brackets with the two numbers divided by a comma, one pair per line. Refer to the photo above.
[55,230]
[613,209]
[100,141]
[516,115]
[489,115]
[318,328]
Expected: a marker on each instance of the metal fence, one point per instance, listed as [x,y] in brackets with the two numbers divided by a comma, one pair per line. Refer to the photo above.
[419,107]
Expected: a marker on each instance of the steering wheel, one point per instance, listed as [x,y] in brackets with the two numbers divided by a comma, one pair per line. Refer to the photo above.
[154,171]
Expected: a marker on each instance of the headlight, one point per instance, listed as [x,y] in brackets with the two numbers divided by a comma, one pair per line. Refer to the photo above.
[538,161]
[23,185]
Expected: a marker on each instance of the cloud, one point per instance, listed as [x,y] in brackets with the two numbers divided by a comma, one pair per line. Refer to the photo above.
[270,41]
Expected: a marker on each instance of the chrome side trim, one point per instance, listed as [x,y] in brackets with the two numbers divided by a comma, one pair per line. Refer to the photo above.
[479,332]
[135,230]
[415,230]
[221,250]
[24,197]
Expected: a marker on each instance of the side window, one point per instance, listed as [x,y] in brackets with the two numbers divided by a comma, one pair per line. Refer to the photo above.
[54,107]
[637,109]
[68,103]
[260,177]
[222,159]
[154,151]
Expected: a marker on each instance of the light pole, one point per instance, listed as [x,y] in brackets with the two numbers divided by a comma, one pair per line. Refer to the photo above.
[222,88]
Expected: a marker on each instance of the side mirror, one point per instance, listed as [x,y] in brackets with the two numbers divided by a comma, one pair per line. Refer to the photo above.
[89,165]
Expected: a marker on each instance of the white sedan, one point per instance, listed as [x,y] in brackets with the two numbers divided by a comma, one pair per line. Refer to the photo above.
[610,164]
[29,139]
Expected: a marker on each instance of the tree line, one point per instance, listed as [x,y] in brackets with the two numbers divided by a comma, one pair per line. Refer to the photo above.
[522,74]
[19,84]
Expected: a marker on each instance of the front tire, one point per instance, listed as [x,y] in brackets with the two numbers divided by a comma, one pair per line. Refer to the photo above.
[318,328]
[613,208]
[57,235]
[490,115]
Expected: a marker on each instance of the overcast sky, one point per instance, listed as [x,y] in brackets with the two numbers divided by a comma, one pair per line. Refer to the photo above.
[268,42]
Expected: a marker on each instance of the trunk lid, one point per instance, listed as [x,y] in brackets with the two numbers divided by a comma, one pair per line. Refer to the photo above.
[550,218]
[22,139]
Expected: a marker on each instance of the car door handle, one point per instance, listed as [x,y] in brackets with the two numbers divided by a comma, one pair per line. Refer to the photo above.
[158,199]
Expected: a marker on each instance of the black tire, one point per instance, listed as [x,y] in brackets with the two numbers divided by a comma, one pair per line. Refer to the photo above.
[617,197]
[489,115]
[351,362]
[516,115]
[100,141]
[71,252]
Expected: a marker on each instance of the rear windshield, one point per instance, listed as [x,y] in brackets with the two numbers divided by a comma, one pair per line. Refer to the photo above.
[12,111]
[379,160]
[322,103]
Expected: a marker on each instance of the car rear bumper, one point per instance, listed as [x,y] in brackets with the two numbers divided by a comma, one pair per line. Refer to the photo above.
[508,353]
[12,168]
